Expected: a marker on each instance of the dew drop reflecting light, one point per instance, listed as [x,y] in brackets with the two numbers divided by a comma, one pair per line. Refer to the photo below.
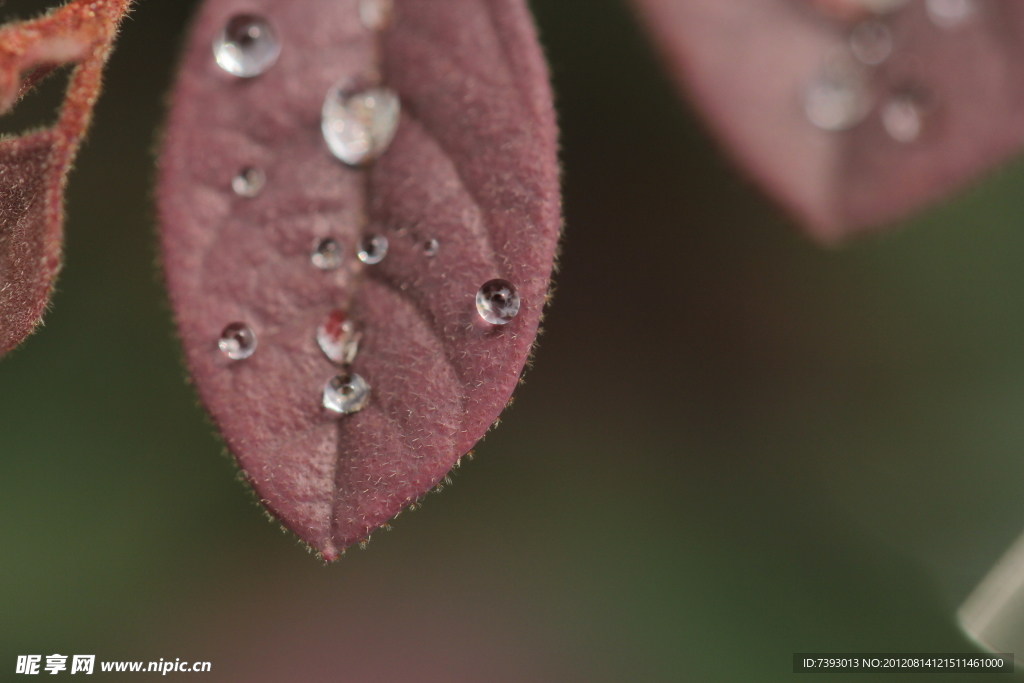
[376,15]
[247,46]
[327,254]
[950,14]
[838,98]
[904,115]
[372,249]
[871,42]
[237,341]
[338,339]
[498,302]
[249,182]
[359,126]
[346,393]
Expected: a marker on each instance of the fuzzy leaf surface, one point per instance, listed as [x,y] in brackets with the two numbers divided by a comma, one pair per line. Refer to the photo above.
[34,166]
[473,165]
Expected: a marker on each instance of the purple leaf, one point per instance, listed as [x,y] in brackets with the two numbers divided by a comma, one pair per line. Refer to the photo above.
[262,225]
[33,167]
[850,116]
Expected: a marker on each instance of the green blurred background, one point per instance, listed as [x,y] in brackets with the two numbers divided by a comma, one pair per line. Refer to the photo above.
[734,445]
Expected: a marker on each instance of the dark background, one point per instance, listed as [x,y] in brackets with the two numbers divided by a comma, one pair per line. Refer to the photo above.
[734,445]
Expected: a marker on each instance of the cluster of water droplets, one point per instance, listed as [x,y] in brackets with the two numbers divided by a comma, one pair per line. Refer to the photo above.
[358,122]
[347,392]
[841,95]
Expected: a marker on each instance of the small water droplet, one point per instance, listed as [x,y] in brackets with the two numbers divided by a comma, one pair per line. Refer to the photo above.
[338,338]
[431,247]
[372,249]
[905,113]
[346,394]
[838,99]
[359,126]
[237,341]
[247,46]
[327,254]
[249,182]
[497,302]
[950,14]
[376,15]
[871,42]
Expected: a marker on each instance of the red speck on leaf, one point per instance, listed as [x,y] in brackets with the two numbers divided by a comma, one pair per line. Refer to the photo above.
[472,165]
[944,105]
[334,326]
[33,167]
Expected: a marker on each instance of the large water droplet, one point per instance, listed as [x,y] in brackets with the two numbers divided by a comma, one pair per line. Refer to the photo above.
[838,99]
[376,15]
[372,249]
[249,182]
[326,254]
[497,302]
[247,46]
[431,247]
[905,113]
[346,394]
[338,338]
[871,42]
[359,126]
[237,341]
[950,14]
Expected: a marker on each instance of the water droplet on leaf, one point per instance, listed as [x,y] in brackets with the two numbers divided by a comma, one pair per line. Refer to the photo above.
[326,254]
[905,113]
[949,14]
[249,182]
[237,341]
[372,249]
[497,302]
[871,42]
[247,46]
[838,98]
[359,126]
[346,394]
[376,15]
[338,338]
